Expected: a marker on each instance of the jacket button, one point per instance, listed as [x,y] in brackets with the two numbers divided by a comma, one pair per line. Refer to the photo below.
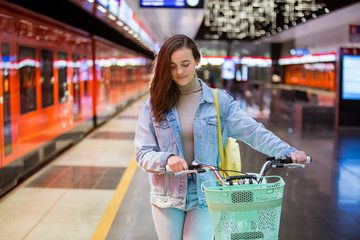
[198,115]
[200,158]
[199,135]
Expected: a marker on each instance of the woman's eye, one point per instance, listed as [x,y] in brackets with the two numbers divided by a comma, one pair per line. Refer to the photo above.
[186,65]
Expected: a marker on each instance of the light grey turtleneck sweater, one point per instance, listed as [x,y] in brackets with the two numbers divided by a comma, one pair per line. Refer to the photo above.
[186,107]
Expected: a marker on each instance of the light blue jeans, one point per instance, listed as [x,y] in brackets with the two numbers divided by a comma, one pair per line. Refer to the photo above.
[193,223]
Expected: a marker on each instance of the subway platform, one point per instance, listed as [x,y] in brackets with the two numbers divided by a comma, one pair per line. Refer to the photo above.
[94,190]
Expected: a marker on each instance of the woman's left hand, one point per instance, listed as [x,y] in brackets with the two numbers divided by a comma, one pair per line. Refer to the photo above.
[298,157]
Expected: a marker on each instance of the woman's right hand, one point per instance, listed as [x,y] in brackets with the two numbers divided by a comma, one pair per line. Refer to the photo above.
[177,164]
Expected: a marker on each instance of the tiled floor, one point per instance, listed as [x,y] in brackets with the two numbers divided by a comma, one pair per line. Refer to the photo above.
[79,177]
[68,198]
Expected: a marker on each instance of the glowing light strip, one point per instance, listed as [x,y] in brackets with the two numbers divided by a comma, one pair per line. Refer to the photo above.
[256,61]
[215,61]
[60,64]
[107,62]
[6,65]
[311,58]
[28,62]
[249,61]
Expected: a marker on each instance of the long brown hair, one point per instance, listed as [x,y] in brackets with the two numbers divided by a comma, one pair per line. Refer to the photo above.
[163,90]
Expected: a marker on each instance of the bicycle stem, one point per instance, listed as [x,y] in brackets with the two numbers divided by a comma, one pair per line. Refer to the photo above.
[264,169]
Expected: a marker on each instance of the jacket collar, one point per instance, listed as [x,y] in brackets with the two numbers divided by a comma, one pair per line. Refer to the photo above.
[207,92]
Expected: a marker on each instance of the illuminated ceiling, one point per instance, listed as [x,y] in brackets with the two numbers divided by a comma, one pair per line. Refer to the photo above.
[268,20]
[256,19]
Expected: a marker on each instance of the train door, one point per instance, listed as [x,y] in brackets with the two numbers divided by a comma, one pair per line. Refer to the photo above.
[1,114]
[6,145]
[6,142]
[76,86]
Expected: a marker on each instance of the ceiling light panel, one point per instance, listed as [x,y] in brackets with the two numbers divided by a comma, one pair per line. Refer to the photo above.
[239,19]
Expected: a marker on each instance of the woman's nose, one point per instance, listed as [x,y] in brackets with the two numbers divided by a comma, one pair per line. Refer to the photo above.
[179,69]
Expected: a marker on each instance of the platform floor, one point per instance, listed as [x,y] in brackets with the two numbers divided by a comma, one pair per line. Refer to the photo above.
[95,191]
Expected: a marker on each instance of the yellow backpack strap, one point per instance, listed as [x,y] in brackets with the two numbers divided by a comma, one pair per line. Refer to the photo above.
[221,150]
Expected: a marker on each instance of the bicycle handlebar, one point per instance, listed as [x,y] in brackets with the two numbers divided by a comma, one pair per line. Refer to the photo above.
[271,162]
[288,160]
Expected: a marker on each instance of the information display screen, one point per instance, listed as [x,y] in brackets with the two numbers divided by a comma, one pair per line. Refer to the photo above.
[172,3]
[228,69]
[351,77]
[348,102]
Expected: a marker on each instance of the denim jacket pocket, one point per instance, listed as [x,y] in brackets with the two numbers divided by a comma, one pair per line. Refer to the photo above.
[157,184]
[164,134]
[211,124]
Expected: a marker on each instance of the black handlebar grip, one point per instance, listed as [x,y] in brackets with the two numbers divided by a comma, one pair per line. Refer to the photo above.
[288,160]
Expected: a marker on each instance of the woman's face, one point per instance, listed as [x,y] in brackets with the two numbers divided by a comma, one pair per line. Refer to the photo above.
[183,66]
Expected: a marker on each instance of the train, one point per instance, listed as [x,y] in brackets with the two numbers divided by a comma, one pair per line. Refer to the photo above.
[58,83]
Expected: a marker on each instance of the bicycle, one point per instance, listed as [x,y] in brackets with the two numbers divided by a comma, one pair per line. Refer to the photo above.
[246,206]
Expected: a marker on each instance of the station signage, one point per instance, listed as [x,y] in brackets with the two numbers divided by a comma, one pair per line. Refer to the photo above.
[299,52]
[354,33]
[172,3]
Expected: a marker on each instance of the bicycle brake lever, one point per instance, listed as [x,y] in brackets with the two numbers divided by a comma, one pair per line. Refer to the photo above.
[195,165]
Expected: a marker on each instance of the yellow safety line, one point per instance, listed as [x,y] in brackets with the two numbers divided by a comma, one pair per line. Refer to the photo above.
[112,209]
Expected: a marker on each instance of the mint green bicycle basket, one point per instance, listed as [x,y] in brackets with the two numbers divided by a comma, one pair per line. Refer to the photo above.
[245,211]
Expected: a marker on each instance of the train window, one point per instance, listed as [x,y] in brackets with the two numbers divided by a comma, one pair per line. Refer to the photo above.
[62,76]
[76,85]
[112,77]
[47,78]
[5,67]
[129,75]
[27,71]
[85,75]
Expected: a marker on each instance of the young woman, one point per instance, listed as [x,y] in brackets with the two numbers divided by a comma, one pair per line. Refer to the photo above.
[178,125]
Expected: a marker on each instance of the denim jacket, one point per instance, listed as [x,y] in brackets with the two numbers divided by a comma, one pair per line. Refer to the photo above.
[156,141]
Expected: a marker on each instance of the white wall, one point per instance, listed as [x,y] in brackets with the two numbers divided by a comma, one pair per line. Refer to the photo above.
[328,40]
[324,34]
